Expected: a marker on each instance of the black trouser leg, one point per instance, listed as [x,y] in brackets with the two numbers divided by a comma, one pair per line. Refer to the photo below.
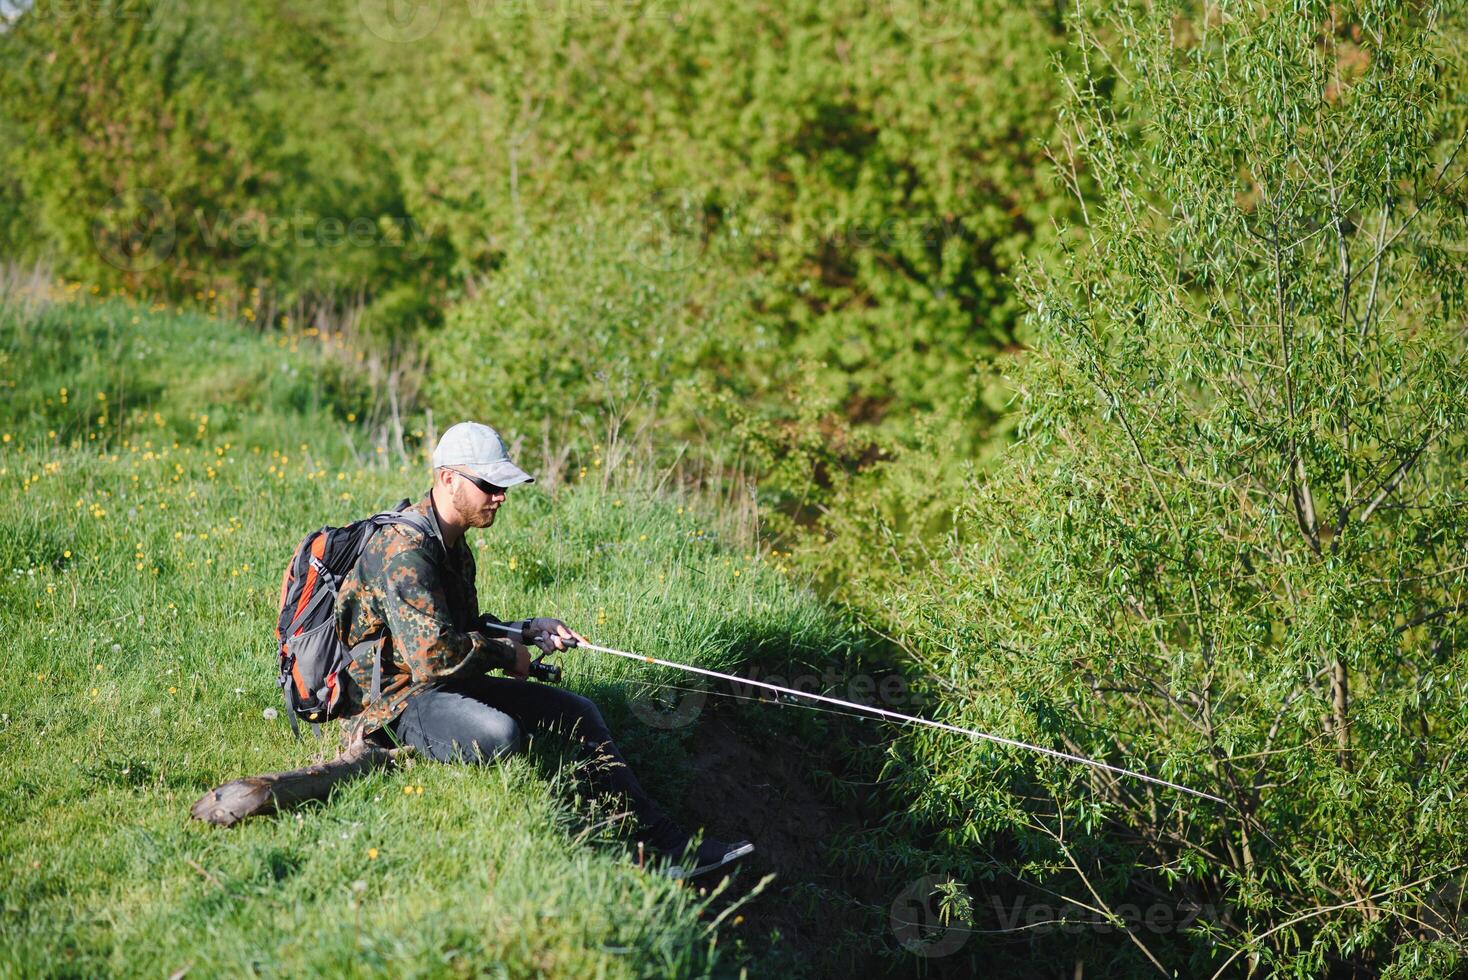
[479,719]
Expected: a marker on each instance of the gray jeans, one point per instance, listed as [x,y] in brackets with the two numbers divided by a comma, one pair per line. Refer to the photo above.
[480,719]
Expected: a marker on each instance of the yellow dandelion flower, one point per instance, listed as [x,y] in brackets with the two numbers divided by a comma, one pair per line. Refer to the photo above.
[372,854]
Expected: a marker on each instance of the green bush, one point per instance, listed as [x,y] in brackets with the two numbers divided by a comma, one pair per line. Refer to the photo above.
[838,193]
[201,150]
[1228,546]
[581,319]
[880,176]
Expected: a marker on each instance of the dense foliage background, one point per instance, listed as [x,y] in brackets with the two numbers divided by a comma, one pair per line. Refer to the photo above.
[829,249]
[1105,359]
[1230,536]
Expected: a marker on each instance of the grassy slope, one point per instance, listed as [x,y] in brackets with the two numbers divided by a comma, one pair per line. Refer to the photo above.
[139,568]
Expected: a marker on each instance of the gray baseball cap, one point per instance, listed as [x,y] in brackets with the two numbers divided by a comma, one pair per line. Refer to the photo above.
[478,449]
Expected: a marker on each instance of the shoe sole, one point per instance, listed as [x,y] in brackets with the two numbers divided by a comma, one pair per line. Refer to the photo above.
[680,874]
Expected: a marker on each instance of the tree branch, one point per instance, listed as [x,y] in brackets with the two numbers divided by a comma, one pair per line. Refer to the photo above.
[1300,494]
[1396,478]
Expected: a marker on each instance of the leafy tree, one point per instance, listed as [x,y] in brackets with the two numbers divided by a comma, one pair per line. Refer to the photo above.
[885,165]
[629,333]
[199,149]
[1229,545]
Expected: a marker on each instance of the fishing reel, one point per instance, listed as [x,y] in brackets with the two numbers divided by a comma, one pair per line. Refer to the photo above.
[539,669]
[542,671]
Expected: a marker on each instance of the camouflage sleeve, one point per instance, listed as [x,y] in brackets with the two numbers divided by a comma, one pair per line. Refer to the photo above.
[469,571]
[422,629]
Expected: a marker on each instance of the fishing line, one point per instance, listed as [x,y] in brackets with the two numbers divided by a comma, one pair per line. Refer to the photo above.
[663,686]
[895,716]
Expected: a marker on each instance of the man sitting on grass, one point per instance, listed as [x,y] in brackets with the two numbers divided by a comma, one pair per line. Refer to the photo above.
[417,594]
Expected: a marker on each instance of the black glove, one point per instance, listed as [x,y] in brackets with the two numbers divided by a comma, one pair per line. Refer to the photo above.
[540,630]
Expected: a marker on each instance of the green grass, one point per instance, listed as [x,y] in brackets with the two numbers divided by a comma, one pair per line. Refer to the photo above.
[141,546]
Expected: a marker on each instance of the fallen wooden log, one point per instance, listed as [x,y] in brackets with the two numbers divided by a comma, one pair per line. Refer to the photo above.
[254,796]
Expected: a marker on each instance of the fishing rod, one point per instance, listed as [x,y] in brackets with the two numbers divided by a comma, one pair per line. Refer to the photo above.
[512,631]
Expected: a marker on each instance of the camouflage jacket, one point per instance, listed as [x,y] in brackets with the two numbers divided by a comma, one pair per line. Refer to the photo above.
[417,599]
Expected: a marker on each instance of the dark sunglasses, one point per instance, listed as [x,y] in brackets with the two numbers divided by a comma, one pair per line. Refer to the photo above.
[489,489]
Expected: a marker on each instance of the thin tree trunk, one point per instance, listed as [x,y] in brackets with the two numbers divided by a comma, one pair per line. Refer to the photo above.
[1340,697]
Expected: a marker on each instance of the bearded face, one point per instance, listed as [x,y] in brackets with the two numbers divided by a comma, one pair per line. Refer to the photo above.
[476,508]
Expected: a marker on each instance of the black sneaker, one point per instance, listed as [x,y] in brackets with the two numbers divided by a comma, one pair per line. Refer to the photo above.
[680,862]
[710,856]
